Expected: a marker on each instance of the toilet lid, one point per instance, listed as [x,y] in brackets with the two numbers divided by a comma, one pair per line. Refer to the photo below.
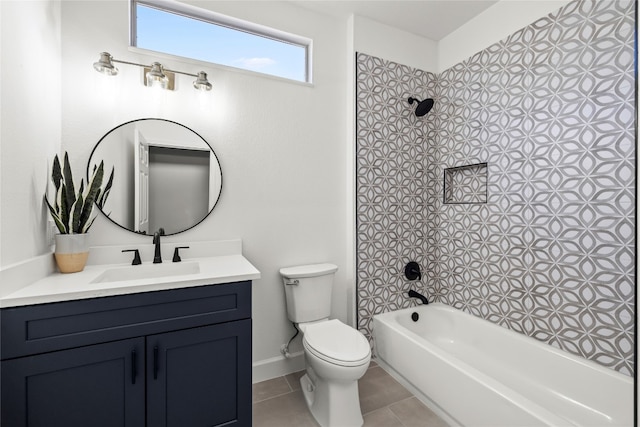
[337,343]
[304,271]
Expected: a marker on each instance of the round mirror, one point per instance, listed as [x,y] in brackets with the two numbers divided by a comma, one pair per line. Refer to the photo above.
[166,176]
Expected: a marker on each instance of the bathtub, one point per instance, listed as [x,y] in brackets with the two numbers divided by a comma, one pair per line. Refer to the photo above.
[475,373]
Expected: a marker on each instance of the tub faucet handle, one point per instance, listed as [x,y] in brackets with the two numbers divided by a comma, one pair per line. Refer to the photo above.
[412,271]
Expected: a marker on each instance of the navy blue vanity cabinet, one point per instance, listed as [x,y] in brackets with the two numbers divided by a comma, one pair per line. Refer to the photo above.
[170,358]
[194,376]
[89,386]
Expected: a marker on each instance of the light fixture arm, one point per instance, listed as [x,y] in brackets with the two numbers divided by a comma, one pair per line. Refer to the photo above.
[181,72]
[147,66]
[127,62]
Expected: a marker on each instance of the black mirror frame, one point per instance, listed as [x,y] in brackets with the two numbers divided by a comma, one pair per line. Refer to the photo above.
[89,168]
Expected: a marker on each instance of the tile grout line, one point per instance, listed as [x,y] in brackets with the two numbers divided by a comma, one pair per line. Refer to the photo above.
[272,397]
[291,390]
[287,380]
[395,403]
[388,409]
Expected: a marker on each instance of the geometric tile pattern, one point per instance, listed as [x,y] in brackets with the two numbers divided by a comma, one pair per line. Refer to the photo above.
[466,184]
[391,180]
[551,254]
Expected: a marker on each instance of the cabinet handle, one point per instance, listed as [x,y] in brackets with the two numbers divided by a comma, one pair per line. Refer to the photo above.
[134,370]
[155,362]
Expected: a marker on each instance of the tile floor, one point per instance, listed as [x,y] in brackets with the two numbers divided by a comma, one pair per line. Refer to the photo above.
[384,402]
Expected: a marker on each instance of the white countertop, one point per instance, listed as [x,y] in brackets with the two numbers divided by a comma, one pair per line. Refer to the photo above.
[57,287]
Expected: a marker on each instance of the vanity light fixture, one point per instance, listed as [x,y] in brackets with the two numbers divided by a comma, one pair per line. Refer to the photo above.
[201,83]
[155,74]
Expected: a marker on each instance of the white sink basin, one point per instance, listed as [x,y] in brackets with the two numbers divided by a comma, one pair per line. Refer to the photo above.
[147,271]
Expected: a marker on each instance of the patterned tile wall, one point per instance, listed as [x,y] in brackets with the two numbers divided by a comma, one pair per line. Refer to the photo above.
[391,180]
[466,184]
[552,252]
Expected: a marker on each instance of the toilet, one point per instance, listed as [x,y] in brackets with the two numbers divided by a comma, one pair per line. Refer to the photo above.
[336,355]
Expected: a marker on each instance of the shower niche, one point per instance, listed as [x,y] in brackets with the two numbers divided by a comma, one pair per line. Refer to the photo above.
[466,184]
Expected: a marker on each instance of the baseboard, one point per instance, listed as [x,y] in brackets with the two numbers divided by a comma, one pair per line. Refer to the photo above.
[277,366]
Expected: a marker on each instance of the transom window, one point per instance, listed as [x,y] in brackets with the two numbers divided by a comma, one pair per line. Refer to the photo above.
[190,32]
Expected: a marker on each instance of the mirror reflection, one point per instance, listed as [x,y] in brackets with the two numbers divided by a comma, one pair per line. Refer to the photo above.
[166,176]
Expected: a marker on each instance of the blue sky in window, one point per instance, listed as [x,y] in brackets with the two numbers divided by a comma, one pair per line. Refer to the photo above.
[188,37]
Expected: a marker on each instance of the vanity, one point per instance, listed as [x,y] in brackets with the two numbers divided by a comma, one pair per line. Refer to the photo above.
[104,347]
[135,342]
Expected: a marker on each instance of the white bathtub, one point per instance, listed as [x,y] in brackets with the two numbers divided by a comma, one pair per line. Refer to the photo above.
[475,373]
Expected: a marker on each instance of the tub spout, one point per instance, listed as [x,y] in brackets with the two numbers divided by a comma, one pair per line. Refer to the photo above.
[414,294]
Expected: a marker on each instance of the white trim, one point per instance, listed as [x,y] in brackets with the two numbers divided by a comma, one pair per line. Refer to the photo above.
[230,22]
[351,167]
[200,63]
[226,21]
[277,366]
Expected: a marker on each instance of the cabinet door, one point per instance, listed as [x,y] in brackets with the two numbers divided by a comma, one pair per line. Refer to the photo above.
[200,377]
[98,385]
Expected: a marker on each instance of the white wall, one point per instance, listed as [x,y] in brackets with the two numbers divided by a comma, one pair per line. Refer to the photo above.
[497,22]
[29,123]
[281,145]
[393,44]
[494,24]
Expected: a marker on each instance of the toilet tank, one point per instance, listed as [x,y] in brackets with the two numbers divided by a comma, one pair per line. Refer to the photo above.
[308,291]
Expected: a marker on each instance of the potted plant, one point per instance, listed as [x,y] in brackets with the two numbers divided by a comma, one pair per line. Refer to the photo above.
[73,213]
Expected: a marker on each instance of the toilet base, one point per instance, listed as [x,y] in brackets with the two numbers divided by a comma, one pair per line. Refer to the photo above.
[335,404]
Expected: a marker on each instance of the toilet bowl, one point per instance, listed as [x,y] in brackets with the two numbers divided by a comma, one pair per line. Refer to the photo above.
[336,355]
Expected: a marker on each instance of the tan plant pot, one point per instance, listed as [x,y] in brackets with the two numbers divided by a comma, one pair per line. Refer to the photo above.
[72,251]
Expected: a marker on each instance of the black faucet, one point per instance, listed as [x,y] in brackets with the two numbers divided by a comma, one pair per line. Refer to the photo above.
[414,294]
[157,257]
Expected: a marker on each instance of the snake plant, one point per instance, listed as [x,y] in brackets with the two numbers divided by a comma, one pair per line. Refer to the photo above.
[71,211]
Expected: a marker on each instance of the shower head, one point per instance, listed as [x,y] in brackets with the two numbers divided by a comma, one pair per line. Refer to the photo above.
[423,106]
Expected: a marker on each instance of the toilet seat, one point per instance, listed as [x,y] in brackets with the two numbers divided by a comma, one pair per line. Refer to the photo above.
[337,343]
